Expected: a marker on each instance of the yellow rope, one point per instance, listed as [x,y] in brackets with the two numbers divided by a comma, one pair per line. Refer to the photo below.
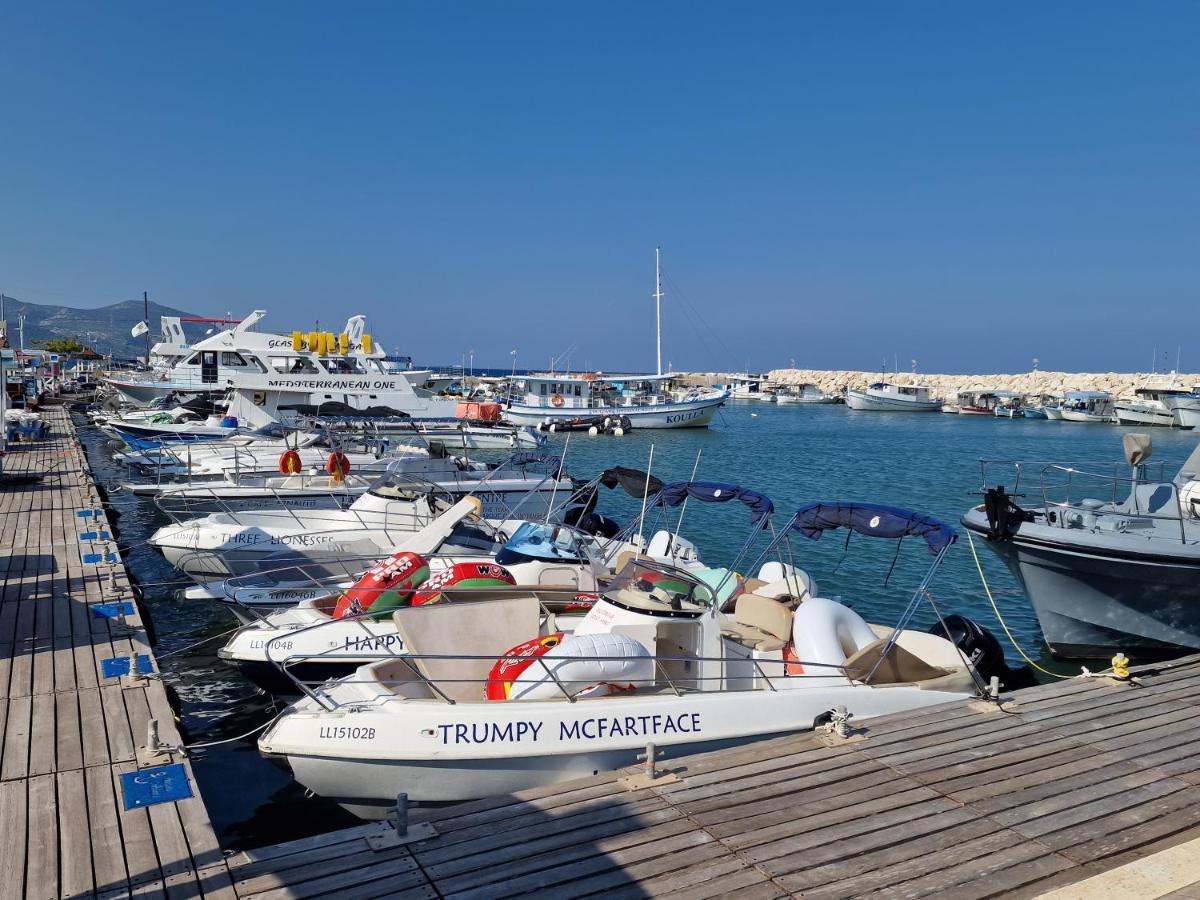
[987,590]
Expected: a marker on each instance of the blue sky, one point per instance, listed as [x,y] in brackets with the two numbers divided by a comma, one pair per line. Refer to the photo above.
[969,184]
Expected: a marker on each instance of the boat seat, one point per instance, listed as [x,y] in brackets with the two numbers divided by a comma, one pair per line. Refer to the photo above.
[900,666]
[625,557]
[759,622]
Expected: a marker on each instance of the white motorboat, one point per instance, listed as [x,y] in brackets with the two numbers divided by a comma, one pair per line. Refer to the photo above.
[1153,405]
[302,490]
[227,544]
[886,396]
[1094,407]
[746,386]
[1186,408]
[648,401]
[487,699]
[805,393]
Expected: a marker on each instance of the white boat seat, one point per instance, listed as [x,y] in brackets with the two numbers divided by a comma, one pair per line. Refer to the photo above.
[900,666]
[759,622]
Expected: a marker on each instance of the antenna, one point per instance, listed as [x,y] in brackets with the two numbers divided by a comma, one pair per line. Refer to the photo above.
[658,295]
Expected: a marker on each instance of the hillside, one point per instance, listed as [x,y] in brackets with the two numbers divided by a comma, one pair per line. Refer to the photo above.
[104,329]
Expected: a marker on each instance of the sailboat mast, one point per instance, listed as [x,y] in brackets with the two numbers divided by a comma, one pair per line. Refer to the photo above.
[658,304]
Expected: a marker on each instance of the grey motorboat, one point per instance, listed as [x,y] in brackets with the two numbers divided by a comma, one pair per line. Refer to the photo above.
[1109,560]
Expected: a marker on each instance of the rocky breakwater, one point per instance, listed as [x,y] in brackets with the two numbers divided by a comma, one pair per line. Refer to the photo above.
[948,386]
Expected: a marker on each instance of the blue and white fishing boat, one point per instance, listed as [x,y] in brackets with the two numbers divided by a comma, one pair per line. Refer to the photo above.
[890,397]
[648,401]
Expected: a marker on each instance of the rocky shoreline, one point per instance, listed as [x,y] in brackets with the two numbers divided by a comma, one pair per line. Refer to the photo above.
[948,386]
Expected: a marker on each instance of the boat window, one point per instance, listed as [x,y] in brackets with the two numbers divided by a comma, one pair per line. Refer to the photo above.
[643,585]
[543,387]
[233,359]
[193,360]
[578,390]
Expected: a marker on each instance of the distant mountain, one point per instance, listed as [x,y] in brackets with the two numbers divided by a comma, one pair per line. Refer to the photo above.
[105,329]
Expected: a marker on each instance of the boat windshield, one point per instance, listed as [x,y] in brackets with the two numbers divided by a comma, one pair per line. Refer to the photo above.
[648,586]
[541,542]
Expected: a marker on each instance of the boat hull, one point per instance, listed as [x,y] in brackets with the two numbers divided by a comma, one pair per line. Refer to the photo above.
[433,751]
[1136,414]
[1076,415]
[690,414]
[1092,601]
[864,402]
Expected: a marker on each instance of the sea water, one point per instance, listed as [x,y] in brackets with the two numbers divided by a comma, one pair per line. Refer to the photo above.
[794,454]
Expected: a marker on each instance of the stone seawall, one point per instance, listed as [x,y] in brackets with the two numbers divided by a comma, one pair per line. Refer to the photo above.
[948,386]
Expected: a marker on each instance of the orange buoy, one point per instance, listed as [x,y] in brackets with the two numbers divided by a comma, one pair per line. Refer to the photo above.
[337,465]
[289,462]
[557,400]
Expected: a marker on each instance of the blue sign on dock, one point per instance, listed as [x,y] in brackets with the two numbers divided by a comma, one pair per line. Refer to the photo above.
[119,665]
[162,784]
[95,536]
[112,610]
[96,558]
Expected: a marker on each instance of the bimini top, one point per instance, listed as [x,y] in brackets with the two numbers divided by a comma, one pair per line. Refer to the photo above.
[760,505]
[336,409]
[873,520]
[634,482]
[1086,395]
[534,458]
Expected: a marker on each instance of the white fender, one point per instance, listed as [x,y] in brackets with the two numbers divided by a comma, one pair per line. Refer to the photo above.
[825,631]
[574,665]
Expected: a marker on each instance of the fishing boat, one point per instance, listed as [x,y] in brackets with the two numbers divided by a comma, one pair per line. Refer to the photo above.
[1186,408]
[486,700]
[1109,558]
[648,401]
[750,387]
[805,393]
[1152,405]
[1093,407]
[231,543]
[978,402]
[886,396]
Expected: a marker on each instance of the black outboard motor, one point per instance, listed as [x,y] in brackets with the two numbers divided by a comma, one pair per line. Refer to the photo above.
[1003,515]
[983,651]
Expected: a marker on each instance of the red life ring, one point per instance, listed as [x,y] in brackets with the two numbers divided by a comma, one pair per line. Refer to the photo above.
[384,586]
[290,463]
[557,400]
[337,465]
[462,575]
[516,661]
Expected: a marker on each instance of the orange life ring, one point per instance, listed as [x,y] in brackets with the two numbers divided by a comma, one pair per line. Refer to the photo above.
[337,465]
[556,400]
[289,462]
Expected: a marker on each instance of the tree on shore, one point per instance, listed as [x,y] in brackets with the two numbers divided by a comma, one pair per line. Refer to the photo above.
[63,346]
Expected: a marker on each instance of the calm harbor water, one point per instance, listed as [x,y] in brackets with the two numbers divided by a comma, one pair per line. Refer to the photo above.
[794,454]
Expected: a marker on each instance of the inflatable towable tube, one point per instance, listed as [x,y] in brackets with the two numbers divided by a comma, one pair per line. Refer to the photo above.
[580,663]
[462,575]
[384,586]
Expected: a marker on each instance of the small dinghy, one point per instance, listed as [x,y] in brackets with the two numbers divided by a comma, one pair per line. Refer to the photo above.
[486,700]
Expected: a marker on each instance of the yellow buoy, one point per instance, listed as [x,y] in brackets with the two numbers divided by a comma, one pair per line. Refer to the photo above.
[343,343]
[366,343]
[312,342]
[297,341]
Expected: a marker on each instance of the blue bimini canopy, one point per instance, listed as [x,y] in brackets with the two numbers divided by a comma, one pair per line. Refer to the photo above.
[532,457]
[873,520]
[760,505]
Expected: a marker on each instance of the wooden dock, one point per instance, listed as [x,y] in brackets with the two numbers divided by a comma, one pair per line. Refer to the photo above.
[1070,781]
[1076,778]
[67,732]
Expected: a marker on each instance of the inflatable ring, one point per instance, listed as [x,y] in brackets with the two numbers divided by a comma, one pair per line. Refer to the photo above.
[556,400]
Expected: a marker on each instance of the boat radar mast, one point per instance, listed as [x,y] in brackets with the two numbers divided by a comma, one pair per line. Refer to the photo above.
[658,294]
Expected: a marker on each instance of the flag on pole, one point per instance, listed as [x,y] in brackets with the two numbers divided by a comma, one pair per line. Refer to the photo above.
[139,329]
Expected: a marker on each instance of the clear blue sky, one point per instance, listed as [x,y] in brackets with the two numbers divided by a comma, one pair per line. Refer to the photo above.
[969,184]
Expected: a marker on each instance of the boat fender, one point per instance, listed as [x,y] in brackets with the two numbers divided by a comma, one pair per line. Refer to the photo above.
[289,462]
[462,575]
[384,586]
[825,631]
[337,465]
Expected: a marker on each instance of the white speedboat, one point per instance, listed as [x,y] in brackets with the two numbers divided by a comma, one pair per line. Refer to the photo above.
[1186,408]
[488,700]
[1094,407]
[227,544]
[890,397]
[805,393]
[1153,406]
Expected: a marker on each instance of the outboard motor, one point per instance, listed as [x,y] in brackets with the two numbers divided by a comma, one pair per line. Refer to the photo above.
[981,648]
[1003,515]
